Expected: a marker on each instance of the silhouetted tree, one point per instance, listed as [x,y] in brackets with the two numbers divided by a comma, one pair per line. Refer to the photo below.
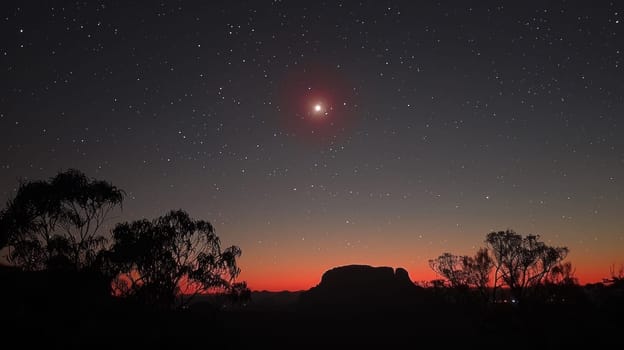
[453,268]
[464,272]
[55,223]
[521,262]
[167,261]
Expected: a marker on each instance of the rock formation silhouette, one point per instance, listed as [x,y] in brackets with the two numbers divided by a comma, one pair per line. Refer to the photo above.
[363,287]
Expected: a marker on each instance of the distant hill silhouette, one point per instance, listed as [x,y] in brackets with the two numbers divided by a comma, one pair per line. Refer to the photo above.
[364,287]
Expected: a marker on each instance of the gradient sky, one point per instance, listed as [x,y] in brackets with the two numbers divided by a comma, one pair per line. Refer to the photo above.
[439,123]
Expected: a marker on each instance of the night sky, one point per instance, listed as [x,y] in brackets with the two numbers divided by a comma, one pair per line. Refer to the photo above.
[316,134]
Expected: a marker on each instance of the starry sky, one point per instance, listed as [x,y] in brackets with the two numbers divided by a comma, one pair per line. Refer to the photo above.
[323,133]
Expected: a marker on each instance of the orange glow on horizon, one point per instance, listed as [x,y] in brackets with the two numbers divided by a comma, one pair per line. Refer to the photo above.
[303,255]
[307,278]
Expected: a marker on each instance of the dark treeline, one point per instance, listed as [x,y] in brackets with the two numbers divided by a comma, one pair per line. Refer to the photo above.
[528,268]
[54,227]
[168,282]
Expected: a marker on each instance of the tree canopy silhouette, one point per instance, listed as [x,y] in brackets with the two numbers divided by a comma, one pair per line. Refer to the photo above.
[56,223]
[522,262]
[167,261]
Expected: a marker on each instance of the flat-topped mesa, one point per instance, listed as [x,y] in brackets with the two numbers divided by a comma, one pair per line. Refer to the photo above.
[362,286]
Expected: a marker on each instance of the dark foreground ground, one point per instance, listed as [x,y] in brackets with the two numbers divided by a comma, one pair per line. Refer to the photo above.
[423,326]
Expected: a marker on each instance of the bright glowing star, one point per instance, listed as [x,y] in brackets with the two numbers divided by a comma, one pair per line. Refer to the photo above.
[318,108]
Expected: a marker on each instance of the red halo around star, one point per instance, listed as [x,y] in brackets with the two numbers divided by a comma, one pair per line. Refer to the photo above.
[316,103]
